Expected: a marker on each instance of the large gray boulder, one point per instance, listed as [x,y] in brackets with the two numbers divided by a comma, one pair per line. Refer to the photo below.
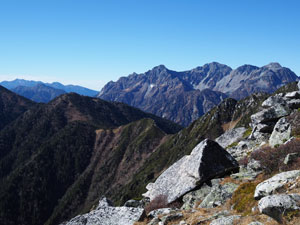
[231,136]
[277,205]
[270,114]
[106,214]
[272,184]
[281,132]
[208,160]
[274,100]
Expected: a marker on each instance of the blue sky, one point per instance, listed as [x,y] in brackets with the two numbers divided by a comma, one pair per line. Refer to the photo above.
[90,42]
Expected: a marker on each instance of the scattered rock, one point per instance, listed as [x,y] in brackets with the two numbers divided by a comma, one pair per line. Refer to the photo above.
[276,205]
[134,203]
[162,211]
[293,103]
[272,184]
[207,161]
[245,174]
[254,165]
[269,115]
[105,214]
[231,136]
[190,199]
[274,100]
[218,195]
[281,133]
[293,95]
[170,217]
[290,158]
[229,220]
[255,223]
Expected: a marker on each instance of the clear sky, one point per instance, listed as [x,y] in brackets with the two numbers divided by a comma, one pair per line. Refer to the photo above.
[90,42]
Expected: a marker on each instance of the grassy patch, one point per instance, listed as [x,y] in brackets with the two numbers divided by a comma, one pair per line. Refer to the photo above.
[232,145]
[242,199]
[247,132]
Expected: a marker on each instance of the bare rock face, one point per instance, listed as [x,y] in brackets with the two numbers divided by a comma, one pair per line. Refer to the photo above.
[272,184]
[231,136]
[106,214]
[207,161]
[276,205]
[281,133]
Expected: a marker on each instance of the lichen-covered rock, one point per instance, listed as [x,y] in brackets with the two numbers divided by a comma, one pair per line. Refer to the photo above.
[269,115]
[231,136]
[276,205]
[190,199]
[105,214]
[156,212]
[272,184]
[281,133]
[229,220]
[207,161]
[135,203]
[274,100]
[218,195]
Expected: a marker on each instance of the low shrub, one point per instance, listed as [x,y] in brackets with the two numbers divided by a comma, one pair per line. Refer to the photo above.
[272,158]
[160,201]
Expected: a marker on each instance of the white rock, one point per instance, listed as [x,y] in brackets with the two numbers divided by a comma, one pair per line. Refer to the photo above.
[207,161]
[293,95]
[105,214]
[272,184]
[281,132]
[276,205]
[229,220]
[231,136]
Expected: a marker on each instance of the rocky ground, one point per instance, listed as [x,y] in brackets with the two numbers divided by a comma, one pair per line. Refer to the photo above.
[255,182]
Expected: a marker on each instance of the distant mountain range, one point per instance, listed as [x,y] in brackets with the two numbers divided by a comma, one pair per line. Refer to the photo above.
[44,92]
[74,147]
[38,93]
[184,96]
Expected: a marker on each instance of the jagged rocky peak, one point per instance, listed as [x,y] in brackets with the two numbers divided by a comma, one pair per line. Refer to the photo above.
[247,68]
[159,68]
[273,66]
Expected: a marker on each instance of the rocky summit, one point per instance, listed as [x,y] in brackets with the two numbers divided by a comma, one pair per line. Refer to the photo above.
[207,160]
[184,96]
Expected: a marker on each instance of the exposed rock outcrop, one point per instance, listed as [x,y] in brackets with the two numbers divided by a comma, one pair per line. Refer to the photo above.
[231,136]
[218,195]
[207,160]
[281,133]
[277,205]
[268,186]
[106,214]
[229,220]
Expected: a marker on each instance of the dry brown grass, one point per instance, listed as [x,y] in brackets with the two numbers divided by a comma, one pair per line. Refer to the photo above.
[231,124]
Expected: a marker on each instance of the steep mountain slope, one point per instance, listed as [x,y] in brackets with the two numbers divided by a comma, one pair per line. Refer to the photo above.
[12,106]
[52,152]
[184,96]
[38,93]
[67,88]
[228,114]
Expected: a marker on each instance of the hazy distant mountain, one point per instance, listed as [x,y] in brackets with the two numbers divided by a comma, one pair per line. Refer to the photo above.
[184,96]
[67,88]
[39,92]
[12,106]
